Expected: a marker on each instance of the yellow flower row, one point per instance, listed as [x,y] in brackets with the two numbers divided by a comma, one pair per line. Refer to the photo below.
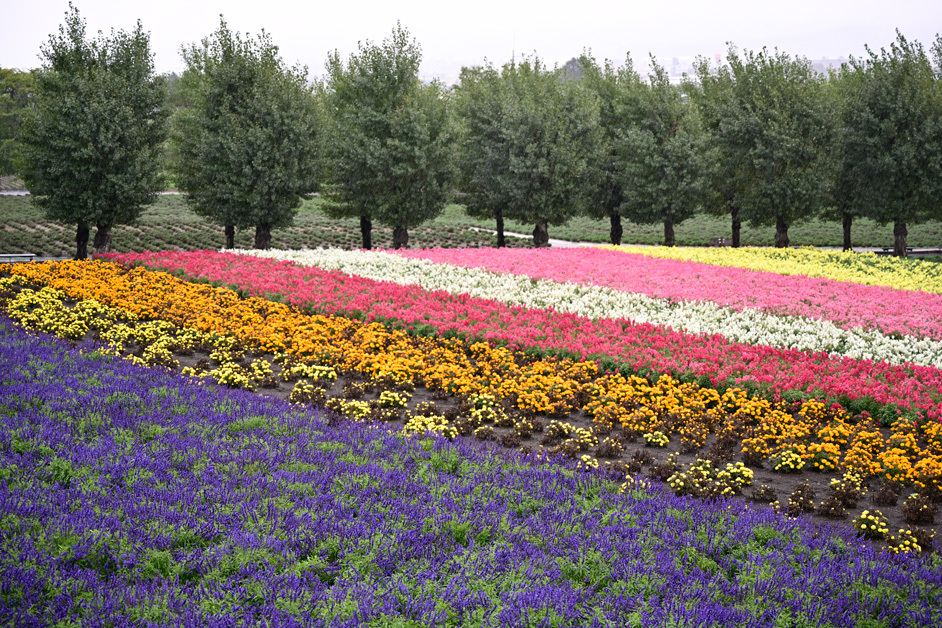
[863,268]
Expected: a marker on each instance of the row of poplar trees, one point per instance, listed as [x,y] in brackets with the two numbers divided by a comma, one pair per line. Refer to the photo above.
[762,138]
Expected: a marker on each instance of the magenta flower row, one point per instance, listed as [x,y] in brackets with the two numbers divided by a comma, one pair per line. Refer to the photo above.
[846,304]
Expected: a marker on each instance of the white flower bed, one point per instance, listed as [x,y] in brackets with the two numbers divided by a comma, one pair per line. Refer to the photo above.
[748,326]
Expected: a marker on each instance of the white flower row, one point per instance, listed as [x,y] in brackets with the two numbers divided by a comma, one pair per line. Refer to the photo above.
[747,326]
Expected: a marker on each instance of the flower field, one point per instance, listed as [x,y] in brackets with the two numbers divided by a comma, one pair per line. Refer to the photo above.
[751,307]
[140,497]
[150,491]
[846,303]
[711,359]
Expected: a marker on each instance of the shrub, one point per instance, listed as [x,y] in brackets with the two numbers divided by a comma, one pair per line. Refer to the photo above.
[918,509]
[871,524]
[764,494]
[801,500]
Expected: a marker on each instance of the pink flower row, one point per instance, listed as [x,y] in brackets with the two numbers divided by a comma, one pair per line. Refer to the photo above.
[846,304]
[640,346]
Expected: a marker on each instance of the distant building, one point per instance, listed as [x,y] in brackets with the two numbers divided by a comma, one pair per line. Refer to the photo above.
[823,65]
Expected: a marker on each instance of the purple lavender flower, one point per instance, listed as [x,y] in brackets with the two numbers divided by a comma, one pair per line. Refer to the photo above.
[131,496]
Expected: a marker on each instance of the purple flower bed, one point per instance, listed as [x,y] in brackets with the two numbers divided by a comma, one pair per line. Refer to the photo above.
[131,496]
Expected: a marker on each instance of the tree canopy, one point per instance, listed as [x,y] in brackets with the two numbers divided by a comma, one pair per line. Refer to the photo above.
[391,148]
[531,135]
[712,94]
[619,92]
[248,143]
[16,92]
[770,123]
[91,139]
[891,137]
[841,183]
[661,160]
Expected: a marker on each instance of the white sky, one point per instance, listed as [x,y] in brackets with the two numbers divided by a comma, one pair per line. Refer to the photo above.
[454,34]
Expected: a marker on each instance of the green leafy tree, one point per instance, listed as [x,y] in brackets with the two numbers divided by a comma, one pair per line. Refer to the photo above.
[247,145]
[391,146]
[176,96]
[770,125]
[91,139]
[175,101]
[16,91]
[712,94]
[661,160]
[482,151]
[619,94]
[842,183]
[892,137]
[526,156]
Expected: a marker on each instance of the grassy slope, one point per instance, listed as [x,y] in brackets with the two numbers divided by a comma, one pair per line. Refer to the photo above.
[169,225]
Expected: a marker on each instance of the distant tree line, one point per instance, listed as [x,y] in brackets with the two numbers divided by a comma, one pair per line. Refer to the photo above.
[762,138]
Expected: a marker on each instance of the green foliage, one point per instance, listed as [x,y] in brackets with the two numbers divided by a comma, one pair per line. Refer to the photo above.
[175,100]
[249,424]
[16,91]
[769,119]
[712,94]
[91,138]
[530,136]
[661,160]
[840,185]
[591,570]
[618,91]
[482,148]
[891,136]
[391,137]
[247,144]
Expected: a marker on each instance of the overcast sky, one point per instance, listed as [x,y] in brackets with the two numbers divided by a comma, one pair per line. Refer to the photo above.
[454,34]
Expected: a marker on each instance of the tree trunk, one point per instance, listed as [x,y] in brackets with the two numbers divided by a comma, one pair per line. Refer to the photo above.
[102,242]
[400,238]
[616,231]
[499,215]
[848,220]
[781,233]
[81,241]
[366,231]
[230,236]
[899,239]
[669,232]
[263,236]
[737,227]
[541,235]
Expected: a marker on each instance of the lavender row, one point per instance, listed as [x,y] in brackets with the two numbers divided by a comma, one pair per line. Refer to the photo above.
[131,496]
